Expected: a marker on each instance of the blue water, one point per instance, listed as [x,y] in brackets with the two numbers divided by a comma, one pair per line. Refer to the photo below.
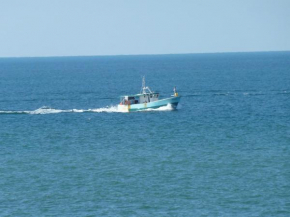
[65,151]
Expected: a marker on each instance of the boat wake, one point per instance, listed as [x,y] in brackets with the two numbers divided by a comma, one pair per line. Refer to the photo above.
[46,110]
[112,109]
[168,107]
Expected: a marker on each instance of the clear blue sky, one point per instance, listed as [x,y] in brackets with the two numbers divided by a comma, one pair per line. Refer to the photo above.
[113,27]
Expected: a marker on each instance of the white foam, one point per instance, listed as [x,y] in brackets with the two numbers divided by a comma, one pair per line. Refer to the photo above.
[44,110]
[78,110]
[168,107]
[13,112]
[106,109]
[109,109]
[40,111]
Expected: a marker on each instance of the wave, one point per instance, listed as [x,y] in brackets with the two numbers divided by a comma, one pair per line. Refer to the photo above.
[284,92]
[253,93]
[235,93]
[109,109]
[168,107]
[46,110]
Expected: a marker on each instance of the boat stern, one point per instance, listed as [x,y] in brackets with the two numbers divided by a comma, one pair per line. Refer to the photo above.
[123,108]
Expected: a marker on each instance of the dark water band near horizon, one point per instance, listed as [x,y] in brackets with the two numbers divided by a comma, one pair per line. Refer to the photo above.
[66,151]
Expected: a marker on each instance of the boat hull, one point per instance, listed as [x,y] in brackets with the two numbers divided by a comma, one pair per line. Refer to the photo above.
[173,101]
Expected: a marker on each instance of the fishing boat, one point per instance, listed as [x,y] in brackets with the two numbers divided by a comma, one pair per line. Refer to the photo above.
[147,99]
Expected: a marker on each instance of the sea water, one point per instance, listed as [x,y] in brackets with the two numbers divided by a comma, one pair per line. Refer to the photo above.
[66,151]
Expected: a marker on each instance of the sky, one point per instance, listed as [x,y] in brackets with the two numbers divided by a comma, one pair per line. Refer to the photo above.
[30,28]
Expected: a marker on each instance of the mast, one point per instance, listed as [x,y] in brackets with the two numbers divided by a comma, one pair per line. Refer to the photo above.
[143,84]
[144,88]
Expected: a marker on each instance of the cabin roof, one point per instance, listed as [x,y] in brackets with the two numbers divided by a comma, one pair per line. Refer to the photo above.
[140,94]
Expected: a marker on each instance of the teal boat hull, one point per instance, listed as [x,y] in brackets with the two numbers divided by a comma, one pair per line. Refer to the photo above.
[173,101]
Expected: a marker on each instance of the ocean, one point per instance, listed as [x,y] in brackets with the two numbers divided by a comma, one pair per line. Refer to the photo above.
[66,151]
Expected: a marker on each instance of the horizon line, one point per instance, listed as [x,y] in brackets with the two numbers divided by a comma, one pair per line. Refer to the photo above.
[146,54]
